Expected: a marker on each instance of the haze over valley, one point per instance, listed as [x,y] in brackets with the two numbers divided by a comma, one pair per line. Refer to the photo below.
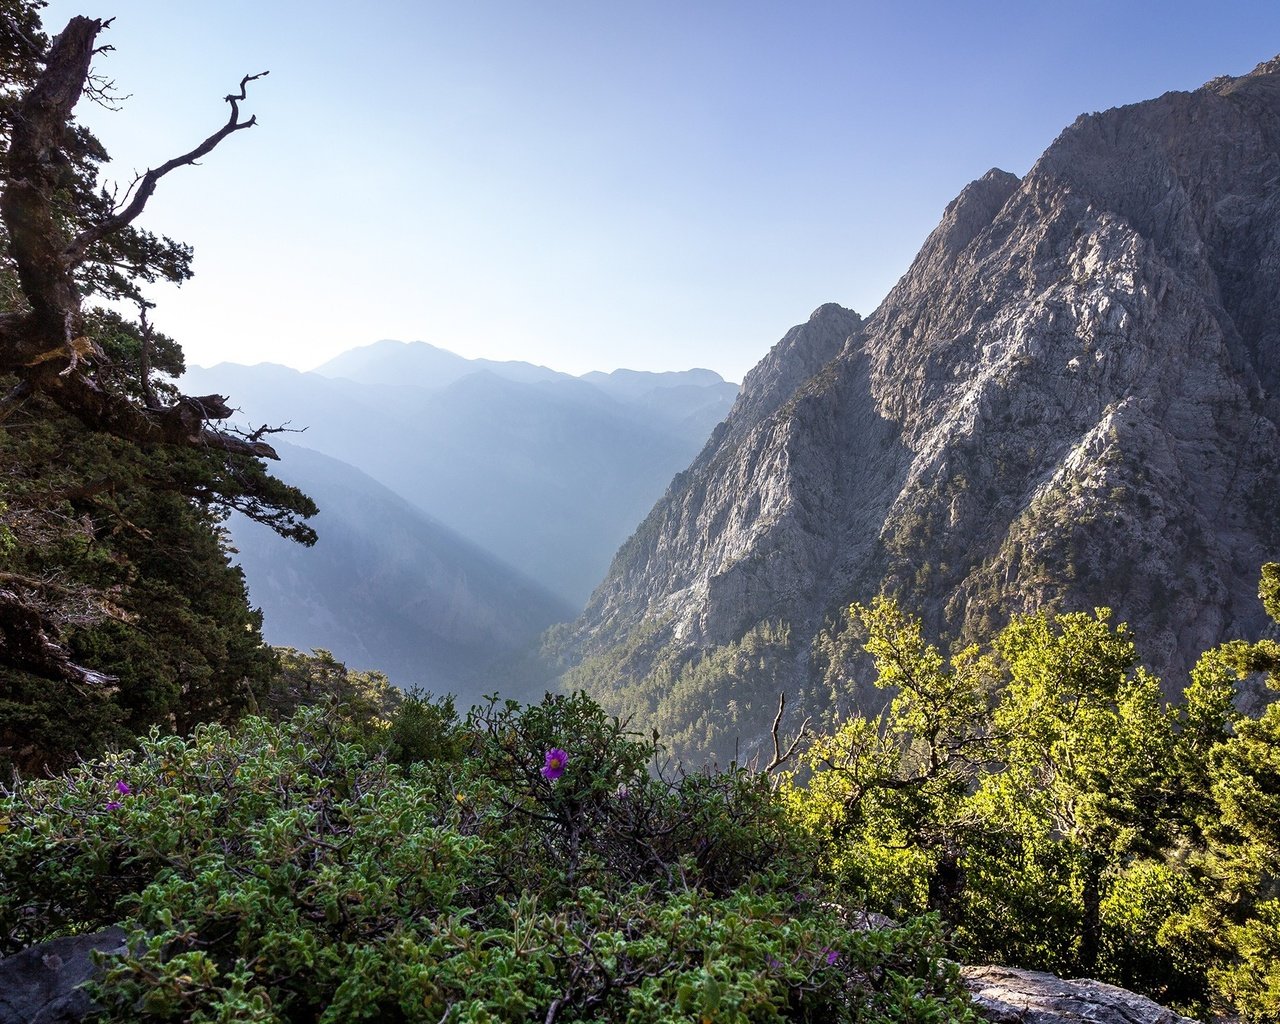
[489,499]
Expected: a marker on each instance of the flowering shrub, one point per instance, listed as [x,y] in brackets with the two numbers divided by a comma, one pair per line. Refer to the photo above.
[279,873]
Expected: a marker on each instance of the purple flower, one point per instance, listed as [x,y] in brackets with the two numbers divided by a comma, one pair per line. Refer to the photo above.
[832,957]
[114,805]
[123,788]
[556,760]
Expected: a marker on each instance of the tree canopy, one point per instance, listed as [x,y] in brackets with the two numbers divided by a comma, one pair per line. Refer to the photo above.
[118,607]
[1042,797]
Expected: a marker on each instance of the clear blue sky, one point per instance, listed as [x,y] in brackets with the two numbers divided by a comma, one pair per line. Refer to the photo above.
[590,184]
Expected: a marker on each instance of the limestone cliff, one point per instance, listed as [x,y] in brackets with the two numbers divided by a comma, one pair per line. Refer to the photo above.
[1070,399]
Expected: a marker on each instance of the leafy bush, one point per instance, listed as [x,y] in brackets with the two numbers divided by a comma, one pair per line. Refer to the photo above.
[278,872]
[1057,814]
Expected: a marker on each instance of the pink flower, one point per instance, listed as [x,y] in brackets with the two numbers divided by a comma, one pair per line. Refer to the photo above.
[554,768]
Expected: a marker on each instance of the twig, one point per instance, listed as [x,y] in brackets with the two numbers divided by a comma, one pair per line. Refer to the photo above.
[76,252]
[779,758]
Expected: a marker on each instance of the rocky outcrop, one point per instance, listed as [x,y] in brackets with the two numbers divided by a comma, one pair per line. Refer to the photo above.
[1006,995]
[42,984]
[1071,399]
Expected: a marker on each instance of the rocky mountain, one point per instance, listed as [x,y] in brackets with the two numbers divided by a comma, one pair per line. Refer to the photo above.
[1070,399]
[387,587]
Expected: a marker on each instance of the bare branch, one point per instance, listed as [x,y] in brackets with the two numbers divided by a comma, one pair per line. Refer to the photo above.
[18,394]
[234,100]
[284,428]
[226,442]
[26,644]
[779,758]
[76,252]
[102,90]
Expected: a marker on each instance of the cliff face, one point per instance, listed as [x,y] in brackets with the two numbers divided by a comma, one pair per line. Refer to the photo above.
[1070,399]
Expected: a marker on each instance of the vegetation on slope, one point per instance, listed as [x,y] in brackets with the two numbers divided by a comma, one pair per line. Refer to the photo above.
[1042,798]
[525,864]
[1034,803]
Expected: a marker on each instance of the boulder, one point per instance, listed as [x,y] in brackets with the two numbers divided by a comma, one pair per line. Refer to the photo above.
[1006,995]
[42,984]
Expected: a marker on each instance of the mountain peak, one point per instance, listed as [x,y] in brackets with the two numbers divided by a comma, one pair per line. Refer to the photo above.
[423,364]
[1069,400]
[1264,69]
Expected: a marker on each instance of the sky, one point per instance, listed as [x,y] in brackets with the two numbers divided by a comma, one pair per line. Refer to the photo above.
[594,184]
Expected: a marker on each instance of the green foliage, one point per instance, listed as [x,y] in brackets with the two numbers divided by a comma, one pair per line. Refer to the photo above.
[702,705]
[423,728]
[279,873]
[1044,800]
[135,577]
[1086,748]
[119,609]
[1251,979]
[365,699]
[886,794]
[1140,944]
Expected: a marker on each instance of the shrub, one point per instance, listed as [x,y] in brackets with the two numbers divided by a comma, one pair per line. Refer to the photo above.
[279,873]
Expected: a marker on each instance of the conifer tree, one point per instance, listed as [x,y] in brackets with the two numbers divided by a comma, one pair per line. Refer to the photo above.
[118,606]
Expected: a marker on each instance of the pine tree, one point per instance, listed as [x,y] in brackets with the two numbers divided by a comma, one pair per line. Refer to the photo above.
[118,606]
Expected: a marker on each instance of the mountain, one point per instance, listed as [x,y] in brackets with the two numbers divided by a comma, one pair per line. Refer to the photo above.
[691,401]
[549,475]
[1071,399]
[398,362]
[538,479]
[387,587]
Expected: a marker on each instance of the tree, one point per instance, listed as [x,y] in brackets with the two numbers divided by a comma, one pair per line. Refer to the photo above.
[118,607]
[1056,813]
[888,793]
[1085,746]
[1230,768]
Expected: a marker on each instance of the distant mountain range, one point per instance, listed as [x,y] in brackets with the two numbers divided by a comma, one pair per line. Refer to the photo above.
[388,587]
[1071,399]
[543,474]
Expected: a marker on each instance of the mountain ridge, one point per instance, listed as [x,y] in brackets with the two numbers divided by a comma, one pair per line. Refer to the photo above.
[1068,400]
[549,475]
[381,572]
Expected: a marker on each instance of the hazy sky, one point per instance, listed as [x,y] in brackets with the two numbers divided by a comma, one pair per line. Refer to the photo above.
[591,184]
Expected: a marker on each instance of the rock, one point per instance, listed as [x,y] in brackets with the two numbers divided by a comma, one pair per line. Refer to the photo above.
[41,984]
[1007,995]
[1071,399]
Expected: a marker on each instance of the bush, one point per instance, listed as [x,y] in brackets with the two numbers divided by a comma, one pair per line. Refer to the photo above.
[279,873]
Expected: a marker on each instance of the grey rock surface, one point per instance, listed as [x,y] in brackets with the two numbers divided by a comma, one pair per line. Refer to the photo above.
[1006,995]
[41,984]
[1070,399]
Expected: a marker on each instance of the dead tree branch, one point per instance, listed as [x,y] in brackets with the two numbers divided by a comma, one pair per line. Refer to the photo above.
[77,250]
[779,758]
[25,642]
